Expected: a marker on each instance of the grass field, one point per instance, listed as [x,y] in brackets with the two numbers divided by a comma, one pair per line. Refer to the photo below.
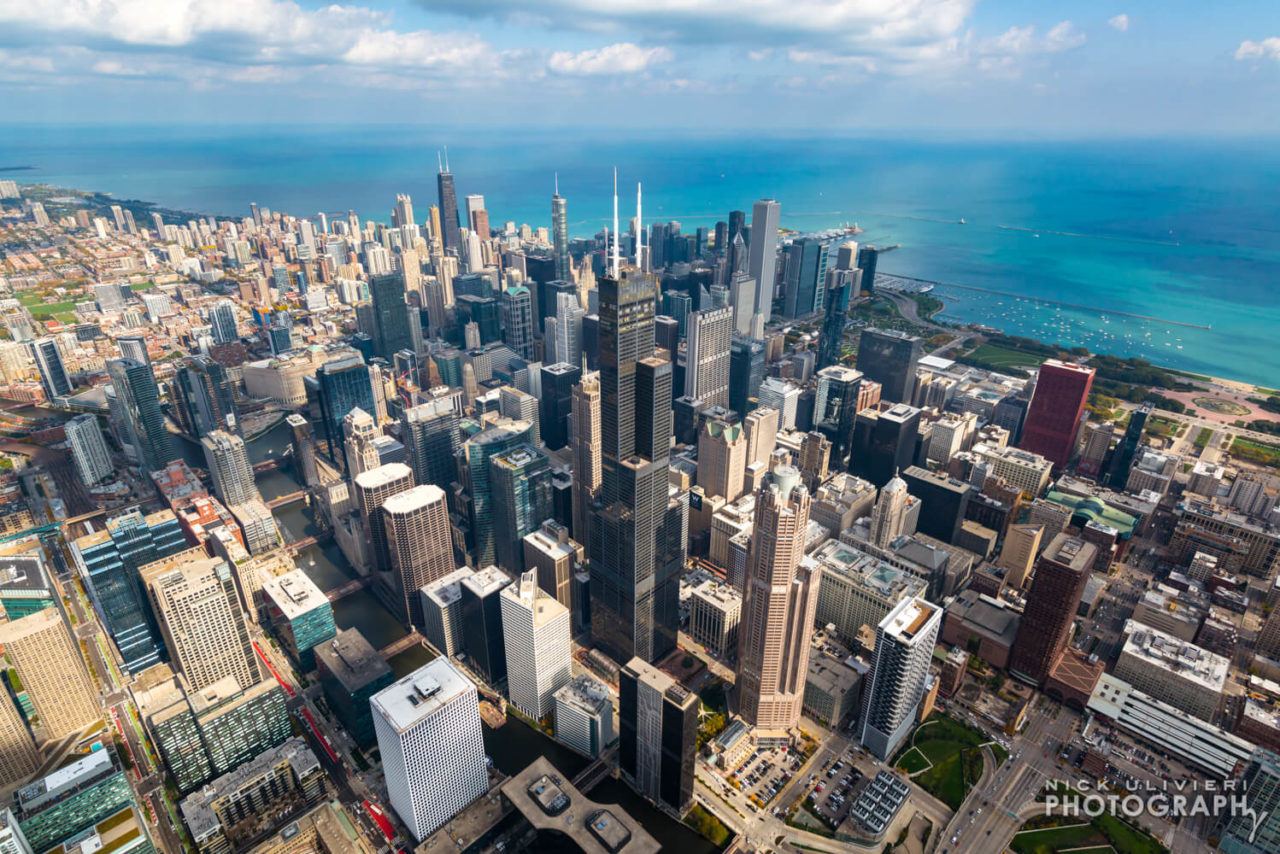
[1203,437]
[1005,357]
[1053,839]
[1256,452]
[952,748]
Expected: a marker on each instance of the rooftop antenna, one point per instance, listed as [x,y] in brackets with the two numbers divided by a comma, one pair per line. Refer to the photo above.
[446,158]
[639,228]
[557,174]
[439,162]
[616,260]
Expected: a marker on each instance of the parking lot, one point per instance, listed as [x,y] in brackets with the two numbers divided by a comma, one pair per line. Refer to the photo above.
[764,774]
[835,789]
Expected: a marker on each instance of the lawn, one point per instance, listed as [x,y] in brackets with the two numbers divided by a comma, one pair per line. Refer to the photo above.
[1005,357]
[953,750]
[1203,437]
[1052,839]
[1158,425]
[1258,453]
[912,761]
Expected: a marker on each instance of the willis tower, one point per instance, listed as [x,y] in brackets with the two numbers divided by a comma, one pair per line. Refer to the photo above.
[637,542]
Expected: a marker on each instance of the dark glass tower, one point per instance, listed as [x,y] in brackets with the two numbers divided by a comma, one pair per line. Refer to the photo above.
[204,401]
[343,385]
[841,286]
[867,257]
[746,373]
[805,277]
[890,358]
[390,315]
[634,572]
[135,387]
[449,223]
[556,404]
[1122,458]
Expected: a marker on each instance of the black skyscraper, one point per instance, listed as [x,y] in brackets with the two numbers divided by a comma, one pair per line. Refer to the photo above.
[746,373]
[634,575]
[944,502]
[884,441]
[1122,457]
[841,286]
[390,315]
[556,404]
[867,257]
[890,358]
[449,222]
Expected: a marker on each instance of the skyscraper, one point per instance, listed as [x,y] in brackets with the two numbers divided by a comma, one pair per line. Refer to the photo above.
[568,329]
[842,285]
[804,277]
[390,315]
[634,588]
[943,501]
[482,622]
[1258,831]
[535,631]
[198,607]
[778,608]
[884,441]
[222,322]
[899,673]
[867,257]
[560,233]
[517,320]
[1061,574]
[203,398]
[556,404]
[1127,448]
[707,363]
[746,372]
[431,435]
[585,436]
[430,741]
[359,450]
[1053,419]
[764,253]
[477,216]
[722,459]
[134,347]
[890,358]
[888,516]
[88,450]
[520,483]
[48,662]
[450,235]
[420,542]
[373,488]
[343,385]
[110,559]
[477,478]
[135,388]
[53,375]
[835,408]
[658,733]
[229,467]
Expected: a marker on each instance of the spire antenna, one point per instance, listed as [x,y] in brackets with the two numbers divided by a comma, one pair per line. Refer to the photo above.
[439,162]
[616,260]
[446,158]
[639,229]
[557,174]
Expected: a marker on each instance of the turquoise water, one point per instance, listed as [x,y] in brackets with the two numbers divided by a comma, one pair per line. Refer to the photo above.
[1182,231]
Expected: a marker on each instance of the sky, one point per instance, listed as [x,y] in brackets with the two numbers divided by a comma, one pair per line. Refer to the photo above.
[950,67]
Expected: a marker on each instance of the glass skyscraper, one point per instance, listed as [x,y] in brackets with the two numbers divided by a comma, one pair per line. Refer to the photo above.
[110,559]
[520,482]
[390,315]
[343,385]
[135,388]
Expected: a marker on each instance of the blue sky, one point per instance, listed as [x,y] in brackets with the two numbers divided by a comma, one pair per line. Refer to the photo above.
[1086,68]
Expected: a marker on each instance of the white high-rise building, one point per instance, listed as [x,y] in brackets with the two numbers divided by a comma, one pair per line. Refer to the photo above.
[764,253]
[707,366]
[222,321]
[888,517]
[584,715]
[88,450]
[891,698]
[535,630]
[229,467]
[429,736]
[568,329]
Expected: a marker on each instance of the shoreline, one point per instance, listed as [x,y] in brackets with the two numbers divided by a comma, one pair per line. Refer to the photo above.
[103,201]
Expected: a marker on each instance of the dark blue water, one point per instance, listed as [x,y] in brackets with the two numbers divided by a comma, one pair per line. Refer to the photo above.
[1184,231]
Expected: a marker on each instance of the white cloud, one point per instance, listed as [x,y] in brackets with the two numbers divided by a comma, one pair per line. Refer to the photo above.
[1023,41]
[1266,49]
[894,31]
[1119,22]
[251,35]
[621,58]
[1063,36]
